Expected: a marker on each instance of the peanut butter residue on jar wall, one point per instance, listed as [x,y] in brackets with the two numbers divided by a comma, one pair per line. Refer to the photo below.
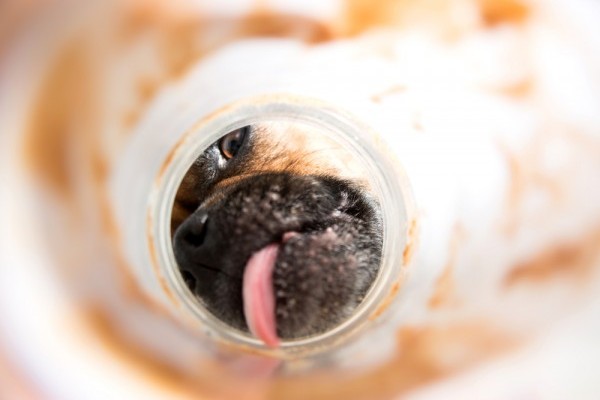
[72,140]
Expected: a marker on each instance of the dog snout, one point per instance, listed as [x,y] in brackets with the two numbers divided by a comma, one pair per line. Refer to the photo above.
[328,239]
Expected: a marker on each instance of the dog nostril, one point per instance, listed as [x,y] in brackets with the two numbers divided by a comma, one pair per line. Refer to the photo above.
[189,279]
[196,232]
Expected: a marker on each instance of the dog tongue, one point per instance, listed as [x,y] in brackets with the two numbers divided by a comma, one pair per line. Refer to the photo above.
[259,300]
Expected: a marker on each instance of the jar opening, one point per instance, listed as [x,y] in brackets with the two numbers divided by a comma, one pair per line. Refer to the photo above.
[273,226]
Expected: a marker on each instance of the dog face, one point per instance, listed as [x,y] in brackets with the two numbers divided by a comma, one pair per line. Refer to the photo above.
[276,232]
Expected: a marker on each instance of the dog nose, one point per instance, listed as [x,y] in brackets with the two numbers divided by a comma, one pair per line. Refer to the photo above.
[192,232]
[188,238]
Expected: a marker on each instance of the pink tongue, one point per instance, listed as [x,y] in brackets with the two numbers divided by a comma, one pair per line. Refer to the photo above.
[259,300]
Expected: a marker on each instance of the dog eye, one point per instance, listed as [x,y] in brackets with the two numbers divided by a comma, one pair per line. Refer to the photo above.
[231,143]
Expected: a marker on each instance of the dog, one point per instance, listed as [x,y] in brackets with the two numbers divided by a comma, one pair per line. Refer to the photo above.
[277,232]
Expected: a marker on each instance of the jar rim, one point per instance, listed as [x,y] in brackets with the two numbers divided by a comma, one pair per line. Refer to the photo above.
[389,185]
